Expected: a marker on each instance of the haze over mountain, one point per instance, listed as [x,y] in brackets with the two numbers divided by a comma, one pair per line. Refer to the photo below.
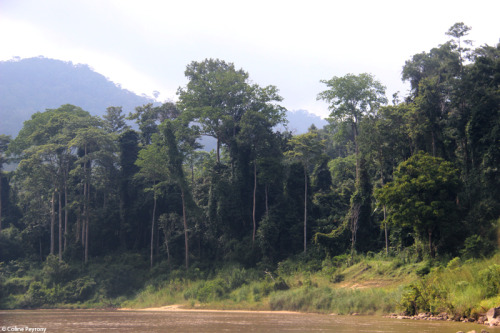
[36,84]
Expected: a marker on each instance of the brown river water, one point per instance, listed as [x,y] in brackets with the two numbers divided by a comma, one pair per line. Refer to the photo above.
[52,321]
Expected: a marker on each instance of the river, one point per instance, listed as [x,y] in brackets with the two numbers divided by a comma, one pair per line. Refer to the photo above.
[55,321]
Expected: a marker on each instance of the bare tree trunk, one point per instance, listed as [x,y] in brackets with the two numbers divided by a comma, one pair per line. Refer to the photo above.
[65,214]
[168,250]
[385,231]
[60,225]
[305,209]
[0,201]
[153,228]
[267,201]
[184,220]
[78,227]
[52,221]
[382,183]
[254,200]
[87,218]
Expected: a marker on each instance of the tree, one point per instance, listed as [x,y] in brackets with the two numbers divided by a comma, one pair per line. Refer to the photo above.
[152,163]
[215,97]
[422,195]
[43,143]
[94,145]
[305,148]
[115,120]
[4,142]
[385,141]
[176,173]
[256,132]
[351,97]
[457,31]
[148,117]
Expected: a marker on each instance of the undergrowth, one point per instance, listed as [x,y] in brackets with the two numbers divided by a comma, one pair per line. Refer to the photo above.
[367,284]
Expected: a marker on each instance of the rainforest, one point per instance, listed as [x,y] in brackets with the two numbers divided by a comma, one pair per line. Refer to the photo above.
[391,207]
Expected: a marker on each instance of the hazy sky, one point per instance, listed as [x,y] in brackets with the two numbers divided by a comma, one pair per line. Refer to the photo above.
[145,45]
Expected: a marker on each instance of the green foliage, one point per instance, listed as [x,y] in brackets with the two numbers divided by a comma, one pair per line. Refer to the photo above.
[422,195]
[79,214]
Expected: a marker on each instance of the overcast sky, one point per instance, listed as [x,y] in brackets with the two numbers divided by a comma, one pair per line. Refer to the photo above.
[145,45]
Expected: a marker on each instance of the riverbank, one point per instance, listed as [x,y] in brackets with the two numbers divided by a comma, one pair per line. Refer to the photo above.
[369,284]
[463,289]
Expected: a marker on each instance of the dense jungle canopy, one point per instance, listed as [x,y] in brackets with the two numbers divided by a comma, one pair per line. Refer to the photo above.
[416,174]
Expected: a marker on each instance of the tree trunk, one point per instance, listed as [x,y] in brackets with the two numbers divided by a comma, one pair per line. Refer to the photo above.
[385,211]
[84,212]
[52,221]
[254,200]
[78,227]
[356,146]
[86,201]
[305,209]
[184,220]
[87,218]
[153,227]
[267,200]
[65,214]
[60,225]
[385,231]
[0,201]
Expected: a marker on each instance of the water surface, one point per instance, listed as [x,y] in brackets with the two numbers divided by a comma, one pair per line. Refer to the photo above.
[55,321]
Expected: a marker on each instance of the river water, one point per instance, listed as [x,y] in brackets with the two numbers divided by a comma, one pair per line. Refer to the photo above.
[55,321]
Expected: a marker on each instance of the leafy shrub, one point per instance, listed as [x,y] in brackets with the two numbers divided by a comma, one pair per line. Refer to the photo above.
[454,263]
[236,278]
[57,271]
[207,291]
[476,247]
[490,279]
[17,285]
[424,269]
[79,290]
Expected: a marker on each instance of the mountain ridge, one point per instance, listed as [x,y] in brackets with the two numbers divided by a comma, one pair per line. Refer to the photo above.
[33,85]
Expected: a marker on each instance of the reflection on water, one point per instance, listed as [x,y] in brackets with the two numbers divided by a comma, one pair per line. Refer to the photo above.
[56,321]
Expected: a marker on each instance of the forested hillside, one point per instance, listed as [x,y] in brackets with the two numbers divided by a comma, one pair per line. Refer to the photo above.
[414,176]
[35,84]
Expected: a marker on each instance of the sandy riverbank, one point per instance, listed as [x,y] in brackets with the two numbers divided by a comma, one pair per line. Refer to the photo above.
[178,307]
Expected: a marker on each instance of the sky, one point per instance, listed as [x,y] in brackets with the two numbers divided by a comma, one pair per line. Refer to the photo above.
[146,45]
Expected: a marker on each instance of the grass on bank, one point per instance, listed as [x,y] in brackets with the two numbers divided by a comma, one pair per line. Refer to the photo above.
[369,284]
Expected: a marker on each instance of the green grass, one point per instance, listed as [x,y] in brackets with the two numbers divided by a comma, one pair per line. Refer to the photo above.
[369,284]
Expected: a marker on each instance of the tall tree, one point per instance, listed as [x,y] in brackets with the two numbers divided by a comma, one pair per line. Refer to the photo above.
[94,145]
[44,139]
[351,97]
[114,120]
[458,31]
[152,163]
[305,148]
[215,97]
[176,172]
